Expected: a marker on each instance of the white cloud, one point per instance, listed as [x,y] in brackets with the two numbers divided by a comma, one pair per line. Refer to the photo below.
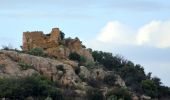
[115,32]
[143,35]
[155,34]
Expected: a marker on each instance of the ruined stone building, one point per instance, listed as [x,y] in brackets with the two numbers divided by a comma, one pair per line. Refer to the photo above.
[54,45]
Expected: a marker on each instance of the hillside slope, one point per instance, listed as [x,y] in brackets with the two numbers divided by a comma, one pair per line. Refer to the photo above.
[53,67]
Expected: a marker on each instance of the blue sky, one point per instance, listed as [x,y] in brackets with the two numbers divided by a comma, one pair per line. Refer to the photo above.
[136,29]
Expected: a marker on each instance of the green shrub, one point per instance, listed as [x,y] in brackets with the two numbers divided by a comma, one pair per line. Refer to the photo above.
[24,66]
[94,94]
[149,88]
[110,79]
[35,86]
[36,52]
[74,56]
[112,97]
[15,88]
[2,66]
[90,64]
[119,93]
[108,60]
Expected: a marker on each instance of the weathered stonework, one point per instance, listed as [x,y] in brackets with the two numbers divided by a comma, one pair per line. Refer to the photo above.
[39,40]
[53,45]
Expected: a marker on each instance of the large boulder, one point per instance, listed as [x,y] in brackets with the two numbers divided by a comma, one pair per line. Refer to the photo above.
[98,73]
[84,72]
[144,97]
[120,81]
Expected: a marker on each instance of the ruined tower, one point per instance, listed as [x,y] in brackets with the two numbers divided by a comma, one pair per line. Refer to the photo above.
[39,40]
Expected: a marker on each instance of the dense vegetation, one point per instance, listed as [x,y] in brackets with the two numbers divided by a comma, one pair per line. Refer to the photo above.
[35,85]
[133,75]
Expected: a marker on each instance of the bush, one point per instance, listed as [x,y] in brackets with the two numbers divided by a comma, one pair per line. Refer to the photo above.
[149,88]
[2,66]
[36,52]
[35,86]
[55,94]
[76,57]
[60,68]
[94,94]
[24,66]
[119,93]
[110,79]
[112,97]
[15,88]
[94,82]
[108,60]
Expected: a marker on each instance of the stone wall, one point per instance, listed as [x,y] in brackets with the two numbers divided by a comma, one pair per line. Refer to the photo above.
[40,40]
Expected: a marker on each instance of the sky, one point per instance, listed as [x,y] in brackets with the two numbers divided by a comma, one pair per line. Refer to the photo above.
[139,30]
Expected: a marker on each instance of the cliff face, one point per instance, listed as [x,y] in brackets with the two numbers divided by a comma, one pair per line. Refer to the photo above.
[53,45]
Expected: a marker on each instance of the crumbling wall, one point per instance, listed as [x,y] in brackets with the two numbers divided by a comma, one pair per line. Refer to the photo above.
[39,40]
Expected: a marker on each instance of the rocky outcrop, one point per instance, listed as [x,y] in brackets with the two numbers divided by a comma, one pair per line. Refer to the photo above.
[55,70]
[84,72]
[54,45]
[62,71]
[99,74]
[120,81]
[45,66]
[10,68]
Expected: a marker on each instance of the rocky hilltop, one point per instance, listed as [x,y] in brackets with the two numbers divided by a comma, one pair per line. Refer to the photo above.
[71,72]
[54,44]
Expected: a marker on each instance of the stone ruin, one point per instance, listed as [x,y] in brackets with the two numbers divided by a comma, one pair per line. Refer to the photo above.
[54,45]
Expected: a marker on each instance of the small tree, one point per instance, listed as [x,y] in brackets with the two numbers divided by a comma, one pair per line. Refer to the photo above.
[149,88]
[62,35]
